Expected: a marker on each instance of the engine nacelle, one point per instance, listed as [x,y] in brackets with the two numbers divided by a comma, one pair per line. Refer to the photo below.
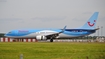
[41,37]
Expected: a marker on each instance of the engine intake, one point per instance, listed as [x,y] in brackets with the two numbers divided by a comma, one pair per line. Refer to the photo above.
[41,37]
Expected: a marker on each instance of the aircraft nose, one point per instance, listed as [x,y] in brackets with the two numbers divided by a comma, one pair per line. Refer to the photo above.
[5,35]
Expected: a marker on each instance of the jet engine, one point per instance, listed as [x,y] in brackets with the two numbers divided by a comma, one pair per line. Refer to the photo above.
[41,37]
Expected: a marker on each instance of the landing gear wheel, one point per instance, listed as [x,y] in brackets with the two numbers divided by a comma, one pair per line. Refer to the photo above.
[51,40]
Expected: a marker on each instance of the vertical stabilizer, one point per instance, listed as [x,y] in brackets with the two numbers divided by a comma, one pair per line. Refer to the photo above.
[91,23]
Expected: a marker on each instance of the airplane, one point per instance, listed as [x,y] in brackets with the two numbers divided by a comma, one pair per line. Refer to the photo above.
[45,34]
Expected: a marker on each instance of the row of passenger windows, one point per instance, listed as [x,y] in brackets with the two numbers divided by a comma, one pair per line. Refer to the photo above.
[78,31]
[43,32]
[49,32]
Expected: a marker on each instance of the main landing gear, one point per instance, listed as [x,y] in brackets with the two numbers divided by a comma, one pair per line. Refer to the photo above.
[51,40]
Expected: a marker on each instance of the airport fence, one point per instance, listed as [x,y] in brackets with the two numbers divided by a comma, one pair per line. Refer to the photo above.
[4,39]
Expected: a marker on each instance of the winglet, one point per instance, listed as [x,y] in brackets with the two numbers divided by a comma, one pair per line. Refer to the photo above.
[63,29]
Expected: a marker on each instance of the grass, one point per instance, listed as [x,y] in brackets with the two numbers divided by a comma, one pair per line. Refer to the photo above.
[55,50]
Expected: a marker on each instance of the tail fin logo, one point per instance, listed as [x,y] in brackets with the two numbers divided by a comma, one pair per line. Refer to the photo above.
[91,24]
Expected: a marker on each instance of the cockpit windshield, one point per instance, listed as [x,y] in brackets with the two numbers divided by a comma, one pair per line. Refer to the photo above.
[9,32]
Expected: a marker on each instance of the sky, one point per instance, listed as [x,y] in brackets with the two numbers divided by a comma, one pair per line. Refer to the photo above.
[34,14]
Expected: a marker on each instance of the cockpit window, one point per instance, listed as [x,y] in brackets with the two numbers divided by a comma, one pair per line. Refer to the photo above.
[9,32]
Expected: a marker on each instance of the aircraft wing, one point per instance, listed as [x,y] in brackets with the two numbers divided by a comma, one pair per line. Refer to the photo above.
[53,34]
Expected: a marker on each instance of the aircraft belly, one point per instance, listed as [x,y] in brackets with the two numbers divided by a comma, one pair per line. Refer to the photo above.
[67,36]
[64,36]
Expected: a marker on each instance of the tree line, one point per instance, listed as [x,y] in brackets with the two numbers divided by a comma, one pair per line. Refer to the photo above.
[2,34]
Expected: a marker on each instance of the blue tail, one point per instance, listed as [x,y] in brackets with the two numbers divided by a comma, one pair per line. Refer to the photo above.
[91,23]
